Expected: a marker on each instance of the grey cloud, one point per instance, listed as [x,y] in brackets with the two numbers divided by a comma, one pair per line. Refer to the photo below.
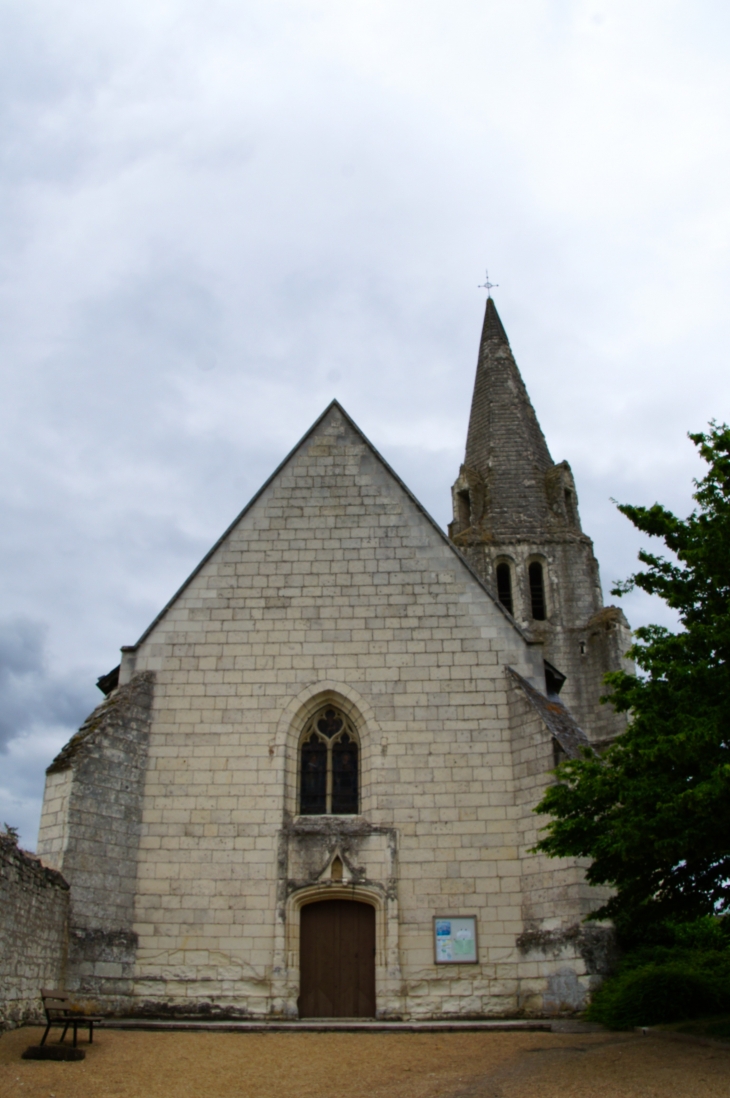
[31,695]
[189,275]
[21,647]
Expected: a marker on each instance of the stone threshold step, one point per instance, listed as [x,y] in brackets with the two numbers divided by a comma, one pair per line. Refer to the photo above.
[323,1025]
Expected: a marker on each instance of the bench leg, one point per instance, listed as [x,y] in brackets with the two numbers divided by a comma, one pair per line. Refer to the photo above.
[76,1026]
[91,1033]
[60,1039]
[43,1038]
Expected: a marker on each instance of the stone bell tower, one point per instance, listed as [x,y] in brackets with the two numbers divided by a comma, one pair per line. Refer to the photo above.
[516,520]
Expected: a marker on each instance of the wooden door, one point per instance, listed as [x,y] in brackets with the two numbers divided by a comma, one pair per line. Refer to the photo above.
[337,960]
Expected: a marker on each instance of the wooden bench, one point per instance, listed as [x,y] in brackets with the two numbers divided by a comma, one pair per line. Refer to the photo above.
[60,1012]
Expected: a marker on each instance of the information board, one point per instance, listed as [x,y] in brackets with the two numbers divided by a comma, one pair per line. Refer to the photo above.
[455,940]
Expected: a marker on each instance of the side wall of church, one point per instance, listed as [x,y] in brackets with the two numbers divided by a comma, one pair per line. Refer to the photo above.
[90,829]
[559,958]
[333,587]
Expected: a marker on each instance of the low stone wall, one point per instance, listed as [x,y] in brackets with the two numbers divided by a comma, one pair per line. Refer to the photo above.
[33,932]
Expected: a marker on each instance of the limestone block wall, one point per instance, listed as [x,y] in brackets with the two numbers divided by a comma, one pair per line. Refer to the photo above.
[53,835]
[561,958]
[458,856]
[90,829]
[333,585]
[179,827]
[33,933]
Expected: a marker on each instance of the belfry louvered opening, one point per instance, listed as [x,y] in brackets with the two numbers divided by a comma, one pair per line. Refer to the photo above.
[329,766]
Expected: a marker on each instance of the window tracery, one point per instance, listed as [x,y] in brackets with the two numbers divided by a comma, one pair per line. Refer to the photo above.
[329,770]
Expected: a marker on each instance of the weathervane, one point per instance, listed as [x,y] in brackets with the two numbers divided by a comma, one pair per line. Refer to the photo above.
[487,285]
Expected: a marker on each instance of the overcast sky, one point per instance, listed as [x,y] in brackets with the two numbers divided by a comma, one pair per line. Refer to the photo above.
[216,216]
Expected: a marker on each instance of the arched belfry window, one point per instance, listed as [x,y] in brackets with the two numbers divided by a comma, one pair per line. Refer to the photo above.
[504,585]
[329,772]
[537,590]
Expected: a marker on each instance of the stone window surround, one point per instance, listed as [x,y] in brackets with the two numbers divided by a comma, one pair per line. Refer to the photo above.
[294,720]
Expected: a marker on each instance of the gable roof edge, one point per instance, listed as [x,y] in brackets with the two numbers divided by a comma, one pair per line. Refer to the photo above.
[444,537]
[556,717]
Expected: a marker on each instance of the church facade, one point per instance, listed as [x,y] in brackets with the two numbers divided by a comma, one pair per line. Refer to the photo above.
[309,791]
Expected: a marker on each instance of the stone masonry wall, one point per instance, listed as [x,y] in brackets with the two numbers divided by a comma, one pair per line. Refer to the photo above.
[33,933]
[580,636]
[90,829]
[562,958]
[334,586]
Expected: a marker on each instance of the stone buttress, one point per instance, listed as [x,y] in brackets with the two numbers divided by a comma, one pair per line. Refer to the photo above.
[90,828]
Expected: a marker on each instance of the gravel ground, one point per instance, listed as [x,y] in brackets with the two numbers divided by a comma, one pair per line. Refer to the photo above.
[123,1064]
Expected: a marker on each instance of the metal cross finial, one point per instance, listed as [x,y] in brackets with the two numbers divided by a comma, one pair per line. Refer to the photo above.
[487,285]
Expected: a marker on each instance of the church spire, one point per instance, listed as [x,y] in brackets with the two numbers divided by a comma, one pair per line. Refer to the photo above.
[503,428]
[493,327]
[506,450]
[516,521]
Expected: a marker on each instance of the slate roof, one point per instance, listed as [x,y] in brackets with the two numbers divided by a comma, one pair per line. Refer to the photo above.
[557,719]
[505,444]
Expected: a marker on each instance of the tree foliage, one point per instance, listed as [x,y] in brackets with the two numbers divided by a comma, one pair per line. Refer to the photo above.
[653,812]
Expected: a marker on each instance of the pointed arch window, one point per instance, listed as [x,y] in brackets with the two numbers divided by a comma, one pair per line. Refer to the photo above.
[329,766]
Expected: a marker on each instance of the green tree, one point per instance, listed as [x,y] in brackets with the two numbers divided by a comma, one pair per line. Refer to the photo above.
[653,812]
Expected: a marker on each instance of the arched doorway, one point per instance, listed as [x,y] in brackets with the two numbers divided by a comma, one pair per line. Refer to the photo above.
[337,960]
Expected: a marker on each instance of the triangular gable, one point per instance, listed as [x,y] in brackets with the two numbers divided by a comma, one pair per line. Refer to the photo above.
[277,472]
